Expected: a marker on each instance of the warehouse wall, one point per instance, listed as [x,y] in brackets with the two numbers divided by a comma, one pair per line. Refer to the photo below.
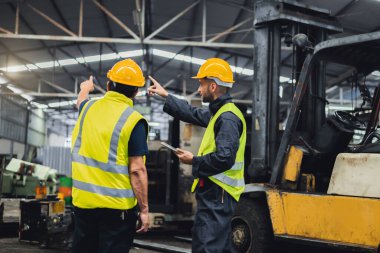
[9,147]
[58,158]
[13,116]
[37,128]
[13,121]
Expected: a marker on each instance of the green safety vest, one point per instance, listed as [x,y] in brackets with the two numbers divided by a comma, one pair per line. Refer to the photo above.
[100,153]
[232,180]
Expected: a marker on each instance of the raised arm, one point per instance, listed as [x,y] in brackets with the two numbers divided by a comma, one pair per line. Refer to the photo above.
[85,88]
[180,109]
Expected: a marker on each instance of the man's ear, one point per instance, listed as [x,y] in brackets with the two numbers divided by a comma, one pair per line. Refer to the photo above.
[135,93]
[214,86]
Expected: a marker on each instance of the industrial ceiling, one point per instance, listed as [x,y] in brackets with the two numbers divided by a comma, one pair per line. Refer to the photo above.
[47,47]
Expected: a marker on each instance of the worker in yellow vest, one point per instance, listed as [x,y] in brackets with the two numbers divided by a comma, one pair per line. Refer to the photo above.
[109,145]
[218,168]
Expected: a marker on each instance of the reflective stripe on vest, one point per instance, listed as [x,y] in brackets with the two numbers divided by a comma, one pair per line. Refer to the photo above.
[227,180]
[237,166]
[230,181]
[110,166]
[105,191]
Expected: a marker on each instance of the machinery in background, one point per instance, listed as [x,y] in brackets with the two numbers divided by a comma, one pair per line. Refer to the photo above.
[45,221]
[22,179]
[321,188]
[167,206]
[7,228]
[43,217]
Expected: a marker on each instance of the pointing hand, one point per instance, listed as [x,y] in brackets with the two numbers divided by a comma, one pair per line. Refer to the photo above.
[88,85]
[156,88]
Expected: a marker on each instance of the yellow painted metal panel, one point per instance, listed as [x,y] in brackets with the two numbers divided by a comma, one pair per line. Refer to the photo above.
[293,164]
[276,211]
[334,218]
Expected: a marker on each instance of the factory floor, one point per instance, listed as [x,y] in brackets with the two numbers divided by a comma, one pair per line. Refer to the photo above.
[153,241]
[9,242]
[12,245]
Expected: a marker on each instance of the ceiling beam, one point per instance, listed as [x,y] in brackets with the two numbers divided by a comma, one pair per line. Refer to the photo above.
[172,20]
[52,21]
[21,17]
[126,41]
[345,8]
[229,30]
[237,19]
[56,86]
[116,20]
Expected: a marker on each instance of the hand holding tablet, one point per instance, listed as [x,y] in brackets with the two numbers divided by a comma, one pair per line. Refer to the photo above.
[168,146]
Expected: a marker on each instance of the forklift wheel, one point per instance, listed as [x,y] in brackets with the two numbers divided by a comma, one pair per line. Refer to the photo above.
[251,227]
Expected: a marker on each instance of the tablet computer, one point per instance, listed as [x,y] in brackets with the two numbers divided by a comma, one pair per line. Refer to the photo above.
[168,146]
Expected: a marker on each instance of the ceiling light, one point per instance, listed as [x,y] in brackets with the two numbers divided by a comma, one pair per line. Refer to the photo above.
[67,62]
[38,105]
[61,104]
[93,58]
[153,124]
[73,61]
[15,68]
[3,80]
[132,53]
[31,66]
[47,64]
[106,57]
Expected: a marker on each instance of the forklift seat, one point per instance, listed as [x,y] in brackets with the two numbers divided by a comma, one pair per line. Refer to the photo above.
[331,139]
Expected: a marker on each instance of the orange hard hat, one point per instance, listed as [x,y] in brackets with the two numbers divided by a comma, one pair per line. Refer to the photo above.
[216,67]
[127,72]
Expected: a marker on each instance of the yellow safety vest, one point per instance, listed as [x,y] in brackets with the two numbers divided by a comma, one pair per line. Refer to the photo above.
[100,153]
[232,180]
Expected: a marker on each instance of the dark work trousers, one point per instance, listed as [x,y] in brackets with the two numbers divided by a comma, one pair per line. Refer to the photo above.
[103,230]
[212,224]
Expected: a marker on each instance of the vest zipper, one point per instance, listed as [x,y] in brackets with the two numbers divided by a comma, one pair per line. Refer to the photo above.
[222,196]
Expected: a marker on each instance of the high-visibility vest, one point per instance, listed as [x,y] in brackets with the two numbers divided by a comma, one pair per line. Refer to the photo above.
[100,153]
[231,180]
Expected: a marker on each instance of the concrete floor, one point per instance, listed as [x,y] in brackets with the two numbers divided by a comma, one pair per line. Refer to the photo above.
[10,245]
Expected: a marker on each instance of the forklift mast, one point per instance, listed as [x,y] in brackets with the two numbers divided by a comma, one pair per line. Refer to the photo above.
[275,20]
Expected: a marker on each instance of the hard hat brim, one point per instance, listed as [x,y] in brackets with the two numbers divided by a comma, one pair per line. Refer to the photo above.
[198,77]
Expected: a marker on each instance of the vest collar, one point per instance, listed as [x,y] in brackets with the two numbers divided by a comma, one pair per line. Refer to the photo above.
[115,96]
[219,102]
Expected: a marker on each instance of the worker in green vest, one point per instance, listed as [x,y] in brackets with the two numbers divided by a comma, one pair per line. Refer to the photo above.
[218,168]
[109,145]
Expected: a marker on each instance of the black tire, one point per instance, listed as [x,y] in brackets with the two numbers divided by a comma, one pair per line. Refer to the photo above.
[251,227]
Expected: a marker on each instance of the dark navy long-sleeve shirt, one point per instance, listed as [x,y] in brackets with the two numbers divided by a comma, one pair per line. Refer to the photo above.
[228,129]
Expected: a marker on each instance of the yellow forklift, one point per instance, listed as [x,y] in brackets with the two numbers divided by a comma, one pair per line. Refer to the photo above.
[323,183]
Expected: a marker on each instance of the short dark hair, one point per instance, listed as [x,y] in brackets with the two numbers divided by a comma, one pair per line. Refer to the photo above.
[124,89]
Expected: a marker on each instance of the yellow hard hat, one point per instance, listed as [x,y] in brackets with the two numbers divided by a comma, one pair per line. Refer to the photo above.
[216,67]
[127,72]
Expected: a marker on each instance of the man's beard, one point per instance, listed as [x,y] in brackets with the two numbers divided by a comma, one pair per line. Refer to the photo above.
[207,98]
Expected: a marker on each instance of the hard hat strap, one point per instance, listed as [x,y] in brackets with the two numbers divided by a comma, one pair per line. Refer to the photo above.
[220,83]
